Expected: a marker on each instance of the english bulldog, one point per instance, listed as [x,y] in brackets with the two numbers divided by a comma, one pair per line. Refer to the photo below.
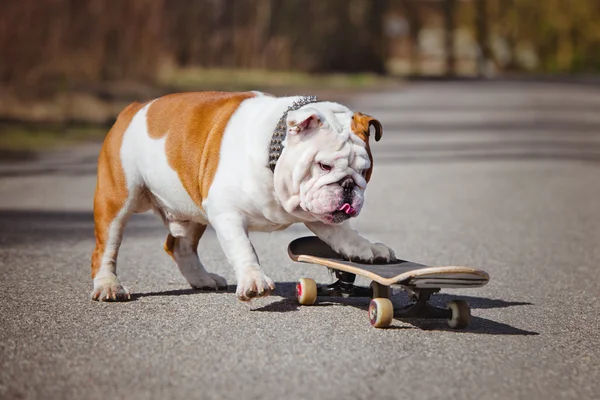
[239,162]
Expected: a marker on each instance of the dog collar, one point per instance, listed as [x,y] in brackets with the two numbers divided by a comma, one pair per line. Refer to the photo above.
[280,131]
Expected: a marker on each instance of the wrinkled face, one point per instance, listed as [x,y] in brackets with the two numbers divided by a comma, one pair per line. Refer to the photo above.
[326,163]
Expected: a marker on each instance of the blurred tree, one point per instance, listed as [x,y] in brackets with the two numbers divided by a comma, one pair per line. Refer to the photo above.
[333,35]
[48,44]
[449,7]
[99,40]
[64,42]
[563,35]
[483,36]
[413,14]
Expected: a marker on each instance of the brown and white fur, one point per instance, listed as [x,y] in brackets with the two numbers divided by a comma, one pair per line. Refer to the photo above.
[202,158]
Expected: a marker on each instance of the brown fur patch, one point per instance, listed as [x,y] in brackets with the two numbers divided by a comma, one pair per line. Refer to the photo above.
[194,124]
[361,124]
[111,187]
[170,245]
[194,238]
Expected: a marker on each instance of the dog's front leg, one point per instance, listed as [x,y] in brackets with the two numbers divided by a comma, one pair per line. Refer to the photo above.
[233,237]
[347,242]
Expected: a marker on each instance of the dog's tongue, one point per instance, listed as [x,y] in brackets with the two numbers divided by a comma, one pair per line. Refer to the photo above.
[347,208]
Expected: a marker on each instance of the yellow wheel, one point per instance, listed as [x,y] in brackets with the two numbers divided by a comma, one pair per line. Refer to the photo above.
[381,312]
[306,291]
[461,314]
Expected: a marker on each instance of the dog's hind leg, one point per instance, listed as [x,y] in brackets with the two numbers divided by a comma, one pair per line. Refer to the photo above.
[111,216]
[114,202]
[182,246]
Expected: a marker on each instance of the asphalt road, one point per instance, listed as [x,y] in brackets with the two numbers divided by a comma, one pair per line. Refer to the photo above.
[502,176]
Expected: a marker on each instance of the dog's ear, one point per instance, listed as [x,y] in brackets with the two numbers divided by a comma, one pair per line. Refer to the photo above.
[361,126]
[303,120]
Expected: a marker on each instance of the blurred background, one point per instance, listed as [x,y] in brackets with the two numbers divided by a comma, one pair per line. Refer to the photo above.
[490,158]
[68,66]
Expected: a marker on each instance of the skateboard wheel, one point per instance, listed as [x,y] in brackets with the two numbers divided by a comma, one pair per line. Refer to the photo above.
[380,291]
[461,314]
[381,312]
[306,291]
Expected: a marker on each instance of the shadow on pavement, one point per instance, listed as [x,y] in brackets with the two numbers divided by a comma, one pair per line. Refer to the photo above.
[511,149]
[22,227]
[478,302]
[66,163]
[286,305]
[182,292]
[542,127]
[425,157]
[478,325]
[17,156]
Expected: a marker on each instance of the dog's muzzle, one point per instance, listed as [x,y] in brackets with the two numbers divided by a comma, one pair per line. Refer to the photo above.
[345,211]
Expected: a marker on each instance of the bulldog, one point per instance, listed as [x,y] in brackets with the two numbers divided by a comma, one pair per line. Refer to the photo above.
[239,162]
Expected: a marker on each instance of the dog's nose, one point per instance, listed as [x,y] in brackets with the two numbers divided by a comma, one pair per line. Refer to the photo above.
[347,184]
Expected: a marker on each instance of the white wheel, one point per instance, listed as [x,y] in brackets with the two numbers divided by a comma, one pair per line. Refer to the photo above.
[306,291]
[381,312]
[380,291]
[461,314]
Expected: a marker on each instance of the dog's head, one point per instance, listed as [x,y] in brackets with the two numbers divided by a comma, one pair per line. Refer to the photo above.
[326,162]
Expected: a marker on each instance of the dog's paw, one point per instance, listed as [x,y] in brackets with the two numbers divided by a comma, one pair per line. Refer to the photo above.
[382,253]
[108,288]
[367,252]
[208,282]
[221,282]
[254,283]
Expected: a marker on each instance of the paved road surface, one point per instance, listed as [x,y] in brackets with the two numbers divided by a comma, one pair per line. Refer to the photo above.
[504,176]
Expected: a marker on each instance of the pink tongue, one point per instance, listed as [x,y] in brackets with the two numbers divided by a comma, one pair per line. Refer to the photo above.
[347,208]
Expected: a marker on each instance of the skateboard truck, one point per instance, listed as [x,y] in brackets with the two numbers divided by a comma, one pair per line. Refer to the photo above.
[344,287]
[420,308]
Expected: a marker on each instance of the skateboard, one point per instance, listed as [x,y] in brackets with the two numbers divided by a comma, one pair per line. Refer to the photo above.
[420,281]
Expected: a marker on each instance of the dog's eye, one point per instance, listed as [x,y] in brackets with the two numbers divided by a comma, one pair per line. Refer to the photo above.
[325,167]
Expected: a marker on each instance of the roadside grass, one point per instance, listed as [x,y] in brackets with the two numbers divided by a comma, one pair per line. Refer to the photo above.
[239,79]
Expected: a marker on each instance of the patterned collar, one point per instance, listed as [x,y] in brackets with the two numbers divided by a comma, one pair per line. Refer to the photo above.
[280,131]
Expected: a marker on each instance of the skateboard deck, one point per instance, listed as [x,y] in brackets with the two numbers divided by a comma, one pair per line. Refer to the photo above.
[397,273]
[420,280]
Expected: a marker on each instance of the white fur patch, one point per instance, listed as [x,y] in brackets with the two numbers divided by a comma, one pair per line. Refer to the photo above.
[145,163]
